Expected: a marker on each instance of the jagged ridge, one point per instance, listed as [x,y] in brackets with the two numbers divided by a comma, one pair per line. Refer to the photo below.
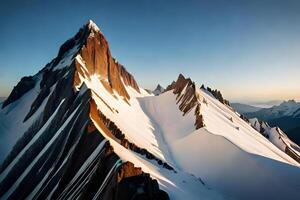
[187,98]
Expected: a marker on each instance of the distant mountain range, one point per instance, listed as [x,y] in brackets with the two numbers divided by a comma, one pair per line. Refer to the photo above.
[244,108]
[285,115]
[264,104]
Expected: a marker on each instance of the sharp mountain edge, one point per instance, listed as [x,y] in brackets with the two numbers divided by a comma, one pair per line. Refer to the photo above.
[82,128]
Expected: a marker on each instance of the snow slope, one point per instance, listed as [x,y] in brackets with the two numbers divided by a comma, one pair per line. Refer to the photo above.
[12,126]
[139,128]
[276,136]
[225,153]
[240,163]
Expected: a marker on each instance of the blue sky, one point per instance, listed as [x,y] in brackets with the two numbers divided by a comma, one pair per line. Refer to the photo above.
[248,49]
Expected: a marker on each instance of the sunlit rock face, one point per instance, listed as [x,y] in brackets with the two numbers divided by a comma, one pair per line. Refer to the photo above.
[95,55]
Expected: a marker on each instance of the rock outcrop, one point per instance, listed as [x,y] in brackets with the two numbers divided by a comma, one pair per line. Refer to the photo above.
[187,98]
[218,95]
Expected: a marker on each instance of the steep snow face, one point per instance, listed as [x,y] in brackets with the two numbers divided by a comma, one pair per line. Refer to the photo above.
[134,122]
[277,137]
[228,154]
[288,108]
[12,125]
[179,185]
[221,120]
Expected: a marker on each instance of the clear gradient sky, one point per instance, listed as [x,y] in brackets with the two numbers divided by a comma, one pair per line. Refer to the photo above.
[249,49]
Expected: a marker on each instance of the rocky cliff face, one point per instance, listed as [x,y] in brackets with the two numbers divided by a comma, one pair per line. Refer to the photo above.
[62,155]
[94,59]
[187,98]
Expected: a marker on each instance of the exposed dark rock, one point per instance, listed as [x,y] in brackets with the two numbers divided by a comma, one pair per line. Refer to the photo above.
[244,118]
[217,94]
[199,123]
[134,184]
[51,154]
[61,91]
[292,154]
[188,99]
[126,182]
[37,102]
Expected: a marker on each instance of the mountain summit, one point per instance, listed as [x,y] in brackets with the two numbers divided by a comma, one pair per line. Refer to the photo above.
[82,128]
[158,90]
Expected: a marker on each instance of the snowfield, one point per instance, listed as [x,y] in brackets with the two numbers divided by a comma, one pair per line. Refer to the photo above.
[228,155]
[239,163]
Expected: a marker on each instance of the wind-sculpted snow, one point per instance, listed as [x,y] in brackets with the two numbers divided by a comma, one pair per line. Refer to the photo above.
[86,130]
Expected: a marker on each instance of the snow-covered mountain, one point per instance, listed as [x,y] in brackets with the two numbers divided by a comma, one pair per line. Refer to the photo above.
[277,137]
[82,128]
[289,108]
[286,116]
[158,90]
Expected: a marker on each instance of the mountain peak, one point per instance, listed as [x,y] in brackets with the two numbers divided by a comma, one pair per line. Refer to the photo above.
[287,104]
[94,59]
[85,57]
[158,90]
[290,101]
[181,76]
[159,87]
[92,25]
[180,83]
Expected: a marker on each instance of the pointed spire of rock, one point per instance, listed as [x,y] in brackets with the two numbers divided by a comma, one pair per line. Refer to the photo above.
[94,58]
[158,90]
